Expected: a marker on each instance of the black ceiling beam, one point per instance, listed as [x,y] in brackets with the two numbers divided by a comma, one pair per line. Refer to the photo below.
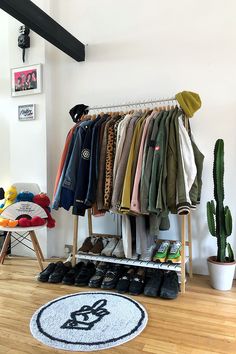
[38,21]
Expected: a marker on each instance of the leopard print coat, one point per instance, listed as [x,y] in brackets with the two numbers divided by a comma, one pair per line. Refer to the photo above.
[110,154]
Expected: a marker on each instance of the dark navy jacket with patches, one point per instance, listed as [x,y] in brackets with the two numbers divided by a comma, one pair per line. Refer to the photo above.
[82,184]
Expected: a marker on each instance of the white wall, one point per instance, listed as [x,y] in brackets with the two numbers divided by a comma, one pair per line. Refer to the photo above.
[4,103]
[26,141]
[136,50]
[142,49]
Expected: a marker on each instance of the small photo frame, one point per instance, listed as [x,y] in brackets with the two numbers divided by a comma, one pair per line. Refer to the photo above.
[26,112]
[26,80]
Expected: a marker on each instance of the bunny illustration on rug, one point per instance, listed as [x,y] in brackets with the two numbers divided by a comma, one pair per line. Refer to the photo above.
[86,317]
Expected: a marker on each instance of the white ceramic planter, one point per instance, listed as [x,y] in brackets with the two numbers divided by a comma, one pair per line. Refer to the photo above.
[221,274]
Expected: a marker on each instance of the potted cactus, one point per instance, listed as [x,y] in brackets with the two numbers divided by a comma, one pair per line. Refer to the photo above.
[221,267]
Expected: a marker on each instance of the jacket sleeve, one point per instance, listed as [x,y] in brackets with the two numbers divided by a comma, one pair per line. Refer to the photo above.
[188,161]
[195,192]
[186,170]
[171,166]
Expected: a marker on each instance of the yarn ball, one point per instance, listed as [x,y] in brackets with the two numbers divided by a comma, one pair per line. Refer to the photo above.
[12,223]
[37,221]
[3,222]
[24,222]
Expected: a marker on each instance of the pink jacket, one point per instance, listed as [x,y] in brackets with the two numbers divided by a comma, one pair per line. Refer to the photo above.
[135,204]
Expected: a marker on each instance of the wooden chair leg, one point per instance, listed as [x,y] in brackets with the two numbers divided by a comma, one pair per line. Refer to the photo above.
[39,248]
[32,236]
[5,247]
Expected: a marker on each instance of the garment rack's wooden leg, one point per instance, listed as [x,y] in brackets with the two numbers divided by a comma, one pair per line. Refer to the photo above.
[39,248]
[90,225]
[5,247]
[183,238]
[190,246]
[32,236]
[75,239]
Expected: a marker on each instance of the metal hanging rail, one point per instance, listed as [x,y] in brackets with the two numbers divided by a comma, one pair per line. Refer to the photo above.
[128,104]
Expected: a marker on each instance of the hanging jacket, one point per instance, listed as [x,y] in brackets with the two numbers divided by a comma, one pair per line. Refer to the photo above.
[147,165]
[110,155]
[181,168]
[94,162]
[120,140]
[79,205]
[126,192]
[188,163]
[136,153]
[161,203]
[70,178]
[195,192]
[135,200]
[63,158]
[121,169]
[57,197]
[157,163]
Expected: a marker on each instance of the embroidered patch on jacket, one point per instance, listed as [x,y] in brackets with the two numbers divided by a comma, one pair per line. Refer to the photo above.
[85,154]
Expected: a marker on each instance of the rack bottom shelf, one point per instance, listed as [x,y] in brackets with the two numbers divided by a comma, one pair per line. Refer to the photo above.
[132,262]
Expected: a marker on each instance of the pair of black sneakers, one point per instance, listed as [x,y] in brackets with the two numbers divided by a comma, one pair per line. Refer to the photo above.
[63,272]
[132,281]
[163,284]
[80,274]
[106,276]
[54,272]
[115,276]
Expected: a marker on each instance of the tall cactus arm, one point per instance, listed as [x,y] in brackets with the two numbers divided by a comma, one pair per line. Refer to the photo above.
[230,253]
[211,218]
[213,208]
[228,222]
[218,171]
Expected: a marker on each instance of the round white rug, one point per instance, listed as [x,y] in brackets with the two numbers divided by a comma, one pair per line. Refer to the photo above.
[88,321]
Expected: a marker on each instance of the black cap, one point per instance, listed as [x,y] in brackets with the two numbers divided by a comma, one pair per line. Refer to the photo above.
[77,111]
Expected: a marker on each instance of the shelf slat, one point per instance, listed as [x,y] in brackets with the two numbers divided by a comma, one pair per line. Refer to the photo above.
[132,262]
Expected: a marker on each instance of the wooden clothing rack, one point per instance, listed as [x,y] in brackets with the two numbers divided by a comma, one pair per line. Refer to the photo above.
[185,221]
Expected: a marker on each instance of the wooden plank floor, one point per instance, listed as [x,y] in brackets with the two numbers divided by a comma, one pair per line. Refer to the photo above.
[202,321]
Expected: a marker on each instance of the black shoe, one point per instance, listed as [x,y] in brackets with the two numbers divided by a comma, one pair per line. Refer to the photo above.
[112,276]
[44,275]
[86,272]
[153,285]
[124,282]
[69,278]
[137,283]
[170,286]
[60,270]
[97,278]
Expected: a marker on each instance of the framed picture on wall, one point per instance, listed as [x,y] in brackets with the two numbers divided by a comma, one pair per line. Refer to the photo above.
[26,80]
[26,112]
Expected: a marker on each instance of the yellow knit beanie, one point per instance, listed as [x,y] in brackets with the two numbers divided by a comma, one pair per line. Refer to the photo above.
[190,102]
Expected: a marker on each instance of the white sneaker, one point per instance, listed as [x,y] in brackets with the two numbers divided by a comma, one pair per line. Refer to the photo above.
[107,251]
[119,250]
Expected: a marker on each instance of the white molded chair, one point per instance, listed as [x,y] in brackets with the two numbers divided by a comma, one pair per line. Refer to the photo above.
[20,234]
